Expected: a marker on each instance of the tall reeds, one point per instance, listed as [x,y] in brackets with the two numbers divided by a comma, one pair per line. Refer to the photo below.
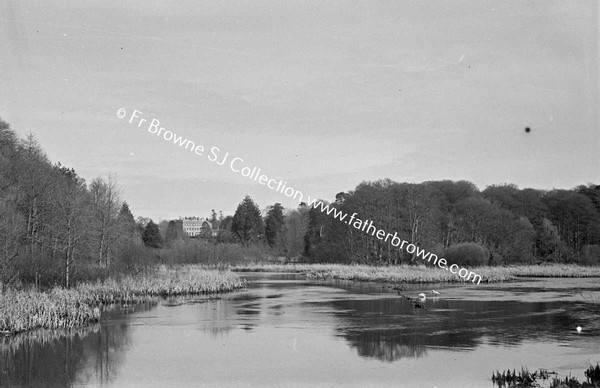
[68,308]
[526,379]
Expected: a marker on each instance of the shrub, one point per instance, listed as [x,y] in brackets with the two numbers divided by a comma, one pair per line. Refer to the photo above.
[194,251]
[496,259]
[134,258]
[590,255]
[562,254]
[467,254]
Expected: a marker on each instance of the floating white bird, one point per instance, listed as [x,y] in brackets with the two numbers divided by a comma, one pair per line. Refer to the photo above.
[579,329]
[434,292]
[422,296]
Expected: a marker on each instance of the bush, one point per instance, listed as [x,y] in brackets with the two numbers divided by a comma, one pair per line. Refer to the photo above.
[562,254]
[467,254]
[194,251]
[496,259]
[134,258]
[590,255]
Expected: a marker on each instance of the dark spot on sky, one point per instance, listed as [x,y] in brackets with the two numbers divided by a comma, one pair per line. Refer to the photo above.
[527,129]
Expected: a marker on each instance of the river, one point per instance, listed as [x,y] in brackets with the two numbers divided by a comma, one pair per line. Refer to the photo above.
[285,330]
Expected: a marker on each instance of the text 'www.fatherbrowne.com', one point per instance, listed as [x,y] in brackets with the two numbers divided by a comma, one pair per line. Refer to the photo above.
[236,164]
[368,227]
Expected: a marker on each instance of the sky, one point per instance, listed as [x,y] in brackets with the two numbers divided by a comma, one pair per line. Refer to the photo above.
[320,94]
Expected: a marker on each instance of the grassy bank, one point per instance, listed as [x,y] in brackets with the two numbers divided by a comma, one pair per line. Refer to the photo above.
[422,274]
[61,308]
[391,274]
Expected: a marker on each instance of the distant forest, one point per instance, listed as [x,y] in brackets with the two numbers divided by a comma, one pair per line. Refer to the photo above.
[57,229]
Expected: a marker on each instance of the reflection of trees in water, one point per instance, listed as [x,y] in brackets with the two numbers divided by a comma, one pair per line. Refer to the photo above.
[239,311]
[218,317]
[216,314]
[389,329]
[41,357]
[104,353]
[378,344]
[91,354]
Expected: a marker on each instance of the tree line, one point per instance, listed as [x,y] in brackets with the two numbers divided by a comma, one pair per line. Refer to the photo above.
[56,228]
[499,225]
[245,235]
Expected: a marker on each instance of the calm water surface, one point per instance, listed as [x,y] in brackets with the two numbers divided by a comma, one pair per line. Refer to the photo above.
[285,330]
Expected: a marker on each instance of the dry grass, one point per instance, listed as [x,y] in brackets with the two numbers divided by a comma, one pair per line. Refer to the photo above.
[391,274]
[421,274]
[554,271]
[25,310]
[183,280]
[60,308]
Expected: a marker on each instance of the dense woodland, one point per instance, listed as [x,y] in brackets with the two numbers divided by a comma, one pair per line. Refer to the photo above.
[499,225]
[55,228]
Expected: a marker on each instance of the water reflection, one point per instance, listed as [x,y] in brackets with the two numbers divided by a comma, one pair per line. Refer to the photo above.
[92,354]
[384,346]
[301,327]
[391,329]
[385,327]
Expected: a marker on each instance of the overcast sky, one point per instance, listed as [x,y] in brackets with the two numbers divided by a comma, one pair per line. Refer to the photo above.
[321,94]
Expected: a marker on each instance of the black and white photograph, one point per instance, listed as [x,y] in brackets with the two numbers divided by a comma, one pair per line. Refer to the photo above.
[300,193]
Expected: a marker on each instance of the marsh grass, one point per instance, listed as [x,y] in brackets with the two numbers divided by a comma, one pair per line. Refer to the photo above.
[593,375]
[553,271]
[420,274]
[526,379]
[389,274]
[60,308]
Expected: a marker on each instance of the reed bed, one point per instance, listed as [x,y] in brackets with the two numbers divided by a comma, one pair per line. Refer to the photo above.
[421,274]
[184,280]
[389,274]
[59,308]
[554,271]
[512,272]
[396,274]
[526,379]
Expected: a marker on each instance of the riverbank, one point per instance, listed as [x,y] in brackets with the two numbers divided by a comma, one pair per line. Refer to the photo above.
[24,310]
[421,274]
